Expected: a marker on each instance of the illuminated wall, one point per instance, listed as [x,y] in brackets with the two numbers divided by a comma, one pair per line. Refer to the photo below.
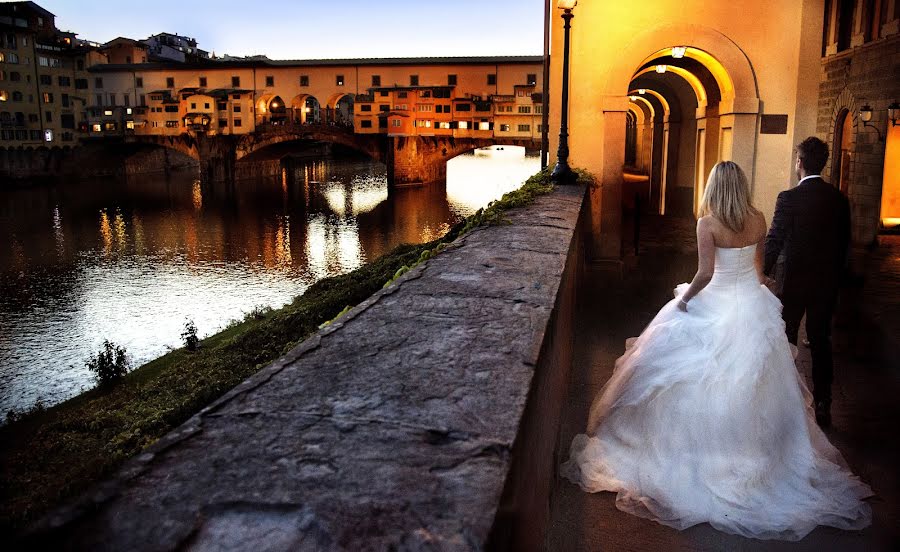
[762,58]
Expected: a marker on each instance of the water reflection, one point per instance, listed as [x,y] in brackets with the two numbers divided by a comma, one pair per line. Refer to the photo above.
[130,260]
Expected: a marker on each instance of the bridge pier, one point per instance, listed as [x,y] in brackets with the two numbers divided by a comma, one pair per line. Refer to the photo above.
[218,154]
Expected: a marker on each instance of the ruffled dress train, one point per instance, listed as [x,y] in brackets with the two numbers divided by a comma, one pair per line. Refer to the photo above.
[706,419]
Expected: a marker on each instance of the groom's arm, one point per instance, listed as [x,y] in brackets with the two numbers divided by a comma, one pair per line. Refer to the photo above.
[777,233]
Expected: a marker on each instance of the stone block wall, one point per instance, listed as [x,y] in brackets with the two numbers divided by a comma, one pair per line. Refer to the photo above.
[868,74]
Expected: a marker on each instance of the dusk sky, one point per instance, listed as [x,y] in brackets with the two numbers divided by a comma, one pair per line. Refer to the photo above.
[305,29]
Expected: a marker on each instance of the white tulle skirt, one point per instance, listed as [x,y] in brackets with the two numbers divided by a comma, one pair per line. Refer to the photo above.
[705,419]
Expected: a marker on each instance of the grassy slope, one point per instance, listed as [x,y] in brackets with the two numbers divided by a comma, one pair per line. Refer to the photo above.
[53,454]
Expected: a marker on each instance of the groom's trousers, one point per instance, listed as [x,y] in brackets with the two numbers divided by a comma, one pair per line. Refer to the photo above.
[818,305]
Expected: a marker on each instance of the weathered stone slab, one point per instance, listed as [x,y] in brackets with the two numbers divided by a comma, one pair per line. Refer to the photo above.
[390,429]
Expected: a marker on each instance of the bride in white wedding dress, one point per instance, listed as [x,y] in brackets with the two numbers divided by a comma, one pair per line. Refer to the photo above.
[705,418]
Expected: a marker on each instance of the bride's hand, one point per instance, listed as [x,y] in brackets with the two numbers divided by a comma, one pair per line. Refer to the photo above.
[768,282]
[682,305]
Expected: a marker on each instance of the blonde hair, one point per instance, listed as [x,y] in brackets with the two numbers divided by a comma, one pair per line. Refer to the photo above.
[727,196]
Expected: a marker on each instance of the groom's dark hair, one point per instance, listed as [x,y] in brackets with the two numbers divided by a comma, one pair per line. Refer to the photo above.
[813,154]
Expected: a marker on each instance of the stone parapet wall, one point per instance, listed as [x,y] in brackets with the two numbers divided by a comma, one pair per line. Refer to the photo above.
[863,75]
[426,418]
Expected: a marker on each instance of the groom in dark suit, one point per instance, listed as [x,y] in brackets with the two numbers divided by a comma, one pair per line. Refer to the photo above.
[812,227]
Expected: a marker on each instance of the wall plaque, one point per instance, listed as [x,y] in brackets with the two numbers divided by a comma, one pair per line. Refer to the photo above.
[773,124]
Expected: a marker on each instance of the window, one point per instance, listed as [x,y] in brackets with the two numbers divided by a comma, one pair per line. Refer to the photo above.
[143,100]
[365,107]
[464,107]
[17,96]
[376,80]
[425,108]
[67,120]
[339,80]
[99,98]
[422,123]
[521,93]
[4,95]
[538,109]
[395,123]
[45,80]
[524,109]
[451,80]
[43,61]
[237,122]
[48,116]
[237,108]
[223,123]
[384,107]
[524,128]
[383,93]
[172,124]
[365,124]
[270,81]
[64,81]
[463,125]
[205,105]
[171,109]
[65,100]
[202,82]
[128,59]
[127,98]
[414,80]
[193,106]
[222,106]
[98,82]
[81,84]
[48,97]
[235,96]
[13,58]
[532,79]
[445,124]
[402,94]
[540,128]
[504,128]
[80,64]
[304,80]
[112,98]
[15,76]
[170,82]
[235,82]
[382,123]
[492,79]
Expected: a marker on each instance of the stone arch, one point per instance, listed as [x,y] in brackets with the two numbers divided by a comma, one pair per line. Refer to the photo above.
[371,145]
[339,110]
[845,103]
[718,51]
[305,109]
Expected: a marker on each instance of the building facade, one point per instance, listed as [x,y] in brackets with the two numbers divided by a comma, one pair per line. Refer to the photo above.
[674,87]
[44,86]
[860,69]
[491,97]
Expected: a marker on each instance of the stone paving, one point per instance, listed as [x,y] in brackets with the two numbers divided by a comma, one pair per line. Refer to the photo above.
[865,409]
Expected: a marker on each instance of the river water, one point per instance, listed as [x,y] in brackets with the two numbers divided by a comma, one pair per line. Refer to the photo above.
[130,261]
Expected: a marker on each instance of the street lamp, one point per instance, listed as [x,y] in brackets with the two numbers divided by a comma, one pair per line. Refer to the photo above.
[865,115]
[894,113]
[562,173]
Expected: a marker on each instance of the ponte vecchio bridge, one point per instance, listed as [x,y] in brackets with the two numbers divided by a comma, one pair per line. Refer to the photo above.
[413,114]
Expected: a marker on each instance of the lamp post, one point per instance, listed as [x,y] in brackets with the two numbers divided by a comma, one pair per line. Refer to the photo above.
[562,173]
[865,115]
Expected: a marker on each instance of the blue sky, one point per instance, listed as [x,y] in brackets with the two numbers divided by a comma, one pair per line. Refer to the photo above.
[306,29]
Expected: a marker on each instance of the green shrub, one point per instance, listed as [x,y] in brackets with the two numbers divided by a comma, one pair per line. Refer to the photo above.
[110,364]
[189,335]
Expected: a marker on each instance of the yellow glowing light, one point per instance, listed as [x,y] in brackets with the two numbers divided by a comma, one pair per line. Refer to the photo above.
[642,91]
[275,104]
[649,105]
[691,79]
[566,4]
[660,69]
[632,98]
[890,222]
[723,79]
[656,95]
[678,51]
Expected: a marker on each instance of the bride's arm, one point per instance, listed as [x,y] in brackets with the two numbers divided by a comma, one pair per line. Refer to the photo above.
[706,263]
[760,260]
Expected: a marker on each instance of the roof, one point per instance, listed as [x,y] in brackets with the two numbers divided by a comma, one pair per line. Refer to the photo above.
[29,5]
[249,64]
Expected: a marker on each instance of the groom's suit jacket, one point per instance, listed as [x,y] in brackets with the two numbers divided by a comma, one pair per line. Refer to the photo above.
[812,226]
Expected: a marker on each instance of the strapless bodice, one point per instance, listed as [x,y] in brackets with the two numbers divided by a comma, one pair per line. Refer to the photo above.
[735,265]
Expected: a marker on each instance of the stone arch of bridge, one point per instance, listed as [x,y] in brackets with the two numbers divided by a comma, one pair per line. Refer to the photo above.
[305,109]
[371,145]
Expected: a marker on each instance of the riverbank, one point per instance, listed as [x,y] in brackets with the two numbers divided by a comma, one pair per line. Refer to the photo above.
[51,455]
